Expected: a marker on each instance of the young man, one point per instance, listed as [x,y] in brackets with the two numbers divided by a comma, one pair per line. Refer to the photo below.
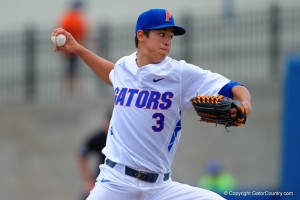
[152,92]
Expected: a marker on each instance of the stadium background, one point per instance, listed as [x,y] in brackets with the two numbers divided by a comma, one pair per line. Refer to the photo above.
[42,126]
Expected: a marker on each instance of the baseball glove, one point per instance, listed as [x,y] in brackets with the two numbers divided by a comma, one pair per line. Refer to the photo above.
[216,109]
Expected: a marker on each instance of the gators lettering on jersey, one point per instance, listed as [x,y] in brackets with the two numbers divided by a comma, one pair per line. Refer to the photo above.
[144,99]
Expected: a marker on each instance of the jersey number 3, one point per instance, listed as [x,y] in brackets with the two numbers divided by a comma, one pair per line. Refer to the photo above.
[160,119]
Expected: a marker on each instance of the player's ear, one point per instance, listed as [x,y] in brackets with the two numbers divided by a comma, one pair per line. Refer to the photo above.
[140,35]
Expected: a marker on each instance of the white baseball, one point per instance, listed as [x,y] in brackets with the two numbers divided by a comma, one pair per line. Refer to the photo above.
[59,40]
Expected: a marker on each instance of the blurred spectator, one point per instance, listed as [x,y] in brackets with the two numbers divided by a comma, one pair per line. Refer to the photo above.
[92,145]
[75,22]
[216,178]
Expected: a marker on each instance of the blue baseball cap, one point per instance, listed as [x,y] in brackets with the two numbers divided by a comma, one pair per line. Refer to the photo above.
[157,19]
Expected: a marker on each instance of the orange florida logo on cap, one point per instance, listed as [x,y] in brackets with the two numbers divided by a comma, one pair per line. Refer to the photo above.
[168,16]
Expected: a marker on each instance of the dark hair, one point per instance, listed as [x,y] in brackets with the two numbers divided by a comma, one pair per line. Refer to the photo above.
[136,41]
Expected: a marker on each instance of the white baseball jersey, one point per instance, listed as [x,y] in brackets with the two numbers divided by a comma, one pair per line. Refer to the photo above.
[149,105]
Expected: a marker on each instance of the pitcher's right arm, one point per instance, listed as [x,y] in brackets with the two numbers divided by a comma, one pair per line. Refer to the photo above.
[99,65]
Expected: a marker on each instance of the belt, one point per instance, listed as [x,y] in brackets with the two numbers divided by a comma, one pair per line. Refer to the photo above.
[140,175]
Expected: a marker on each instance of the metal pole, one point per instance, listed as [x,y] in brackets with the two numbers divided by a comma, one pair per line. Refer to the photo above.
[274,40]
[30,78]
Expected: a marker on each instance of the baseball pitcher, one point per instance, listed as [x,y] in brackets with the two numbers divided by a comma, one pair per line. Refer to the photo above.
[152,91]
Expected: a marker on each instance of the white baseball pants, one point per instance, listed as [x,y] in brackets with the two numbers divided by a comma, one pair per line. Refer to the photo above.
[113,184]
